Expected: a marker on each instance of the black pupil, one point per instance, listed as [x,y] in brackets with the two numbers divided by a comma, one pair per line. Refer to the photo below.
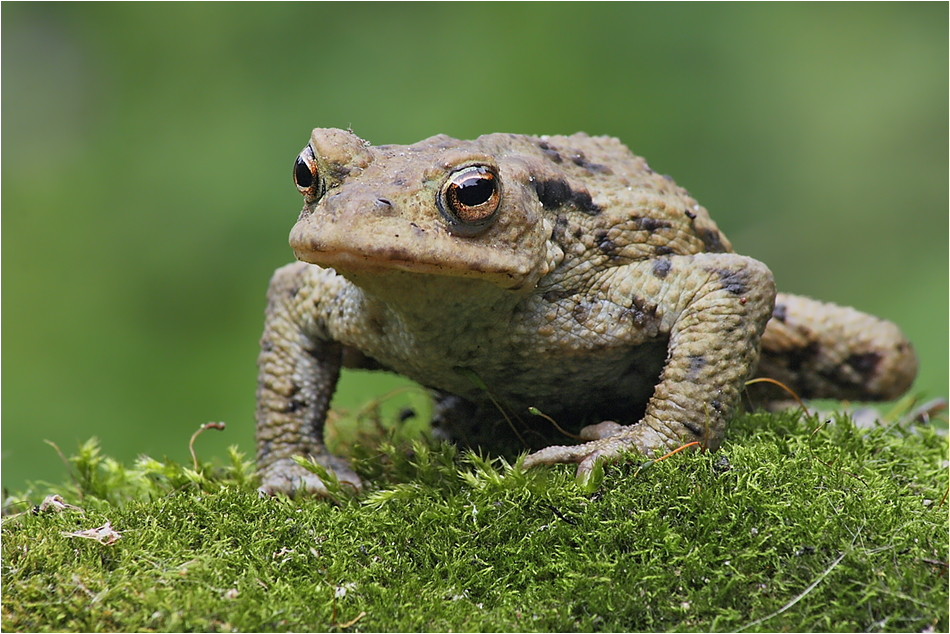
[475,190]
[302,175]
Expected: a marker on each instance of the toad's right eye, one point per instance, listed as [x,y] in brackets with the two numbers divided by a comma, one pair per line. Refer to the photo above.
[307,175]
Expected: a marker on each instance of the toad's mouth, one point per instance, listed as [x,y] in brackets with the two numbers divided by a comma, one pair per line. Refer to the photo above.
[387,251]
[383,261]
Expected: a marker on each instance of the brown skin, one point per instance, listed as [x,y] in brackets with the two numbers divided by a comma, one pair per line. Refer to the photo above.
[558,272]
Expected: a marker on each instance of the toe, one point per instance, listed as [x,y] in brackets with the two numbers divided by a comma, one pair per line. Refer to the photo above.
[289,478]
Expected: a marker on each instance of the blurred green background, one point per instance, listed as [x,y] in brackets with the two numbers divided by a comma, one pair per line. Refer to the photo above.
[147,152]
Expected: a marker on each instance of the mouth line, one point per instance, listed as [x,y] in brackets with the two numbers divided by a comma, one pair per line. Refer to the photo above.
[351,259]
[382,261]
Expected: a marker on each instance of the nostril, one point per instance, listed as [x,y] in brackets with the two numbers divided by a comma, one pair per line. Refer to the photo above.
[383,202]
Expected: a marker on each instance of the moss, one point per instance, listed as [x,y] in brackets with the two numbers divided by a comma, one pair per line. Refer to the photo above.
[795,524]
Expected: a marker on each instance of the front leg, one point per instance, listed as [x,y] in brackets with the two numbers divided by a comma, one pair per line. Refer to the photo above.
[299,367]
[713,307]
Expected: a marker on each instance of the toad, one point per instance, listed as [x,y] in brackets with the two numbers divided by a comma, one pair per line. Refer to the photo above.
[555,272]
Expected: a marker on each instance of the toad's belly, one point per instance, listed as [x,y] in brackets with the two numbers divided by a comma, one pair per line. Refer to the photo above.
[612,383]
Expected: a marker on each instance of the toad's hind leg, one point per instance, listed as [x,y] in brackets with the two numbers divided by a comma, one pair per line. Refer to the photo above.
[821,350]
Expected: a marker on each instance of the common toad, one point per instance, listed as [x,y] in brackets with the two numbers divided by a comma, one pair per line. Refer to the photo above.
[559,272]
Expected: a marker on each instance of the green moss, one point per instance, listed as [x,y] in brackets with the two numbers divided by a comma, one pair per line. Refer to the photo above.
[794,524]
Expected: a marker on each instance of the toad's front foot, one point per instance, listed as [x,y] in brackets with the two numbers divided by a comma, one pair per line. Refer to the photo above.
[289,478]
[607,442]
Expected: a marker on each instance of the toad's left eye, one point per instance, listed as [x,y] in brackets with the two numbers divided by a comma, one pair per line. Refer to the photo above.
[470,198]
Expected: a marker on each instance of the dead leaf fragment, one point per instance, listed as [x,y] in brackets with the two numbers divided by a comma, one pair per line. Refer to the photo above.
[105,534]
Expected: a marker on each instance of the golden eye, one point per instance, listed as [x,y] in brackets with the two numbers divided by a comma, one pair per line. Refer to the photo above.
[470,198]
[307,175]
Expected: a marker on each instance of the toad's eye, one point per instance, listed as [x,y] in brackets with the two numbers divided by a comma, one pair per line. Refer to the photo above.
[307,175]
[470,198]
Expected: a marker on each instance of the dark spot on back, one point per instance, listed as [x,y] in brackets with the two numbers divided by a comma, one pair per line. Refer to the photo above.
[735,282]
[798,357]
[663,250]
[661,267]
[651,224]
[780,312]
[552,193]
[550,151]
[642,313]
[580,313]
[604,243]
[556,193]
[712,240]
[583,202]
[581,161]
[864,363]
